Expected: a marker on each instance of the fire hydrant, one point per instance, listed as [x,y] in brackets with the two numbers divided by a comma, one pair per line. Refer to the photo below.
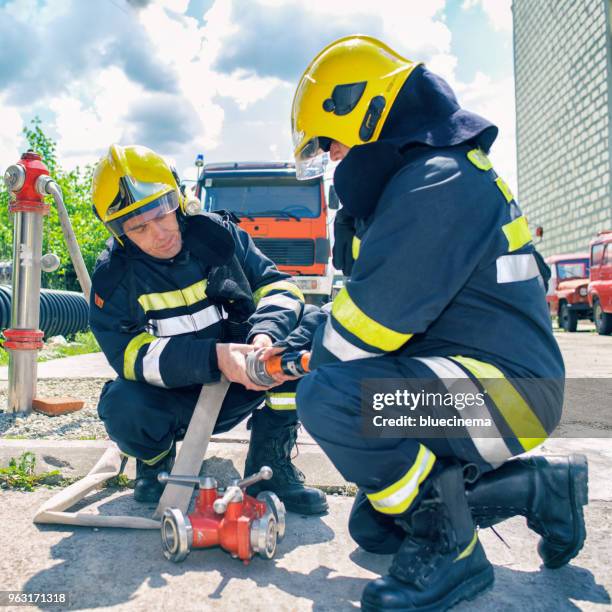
[240,524]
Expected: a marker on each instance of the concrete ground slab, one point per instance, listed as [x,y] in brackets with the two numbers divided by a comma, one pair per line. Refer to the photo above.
[93,365]
[317,567]
[76,457]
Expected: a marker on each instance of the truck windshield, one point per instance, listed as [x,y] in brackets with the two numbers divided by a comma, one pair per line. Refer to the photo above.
[573,269]
[263,199]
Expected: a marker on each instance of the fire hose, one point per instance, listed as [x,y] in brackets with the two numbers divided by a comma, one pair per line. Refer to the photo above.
[238,523]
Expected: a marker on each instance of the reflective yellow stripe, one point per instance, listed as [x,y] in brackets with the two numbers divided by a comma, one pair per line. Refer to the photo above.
[397,497]
[503,187]
[156,459]
[517,232]
[353,319]
[281,401]
[468,549]
[278,286]
[131,352]
[355,246]
[522,420]
[479,159]
[173,299]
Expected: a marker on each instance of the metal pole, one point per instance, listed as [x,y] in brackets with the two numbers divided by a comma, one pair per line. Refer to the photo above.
[47,185]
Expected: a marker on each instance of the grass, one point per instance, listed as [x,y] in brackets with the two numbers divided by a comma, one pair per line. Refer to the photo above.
[20,476]
[82,343]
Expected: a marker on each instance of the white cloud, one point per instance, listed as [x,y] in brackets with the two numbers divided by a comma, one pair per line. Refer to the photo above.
[11,139]
[160,68]
[499,12]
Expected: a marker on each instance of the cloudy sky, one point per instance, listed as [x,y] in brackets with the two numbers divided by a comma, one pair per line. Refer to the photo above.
[217,76]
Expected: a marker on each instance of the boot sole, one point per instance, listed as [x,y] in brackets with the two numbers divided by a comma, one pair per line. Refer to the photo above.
[579,497]
[307,510]
[466,591]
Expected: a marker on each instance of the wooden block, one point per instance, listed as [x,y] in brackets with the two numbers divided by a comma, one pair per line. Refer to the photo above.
[54,406]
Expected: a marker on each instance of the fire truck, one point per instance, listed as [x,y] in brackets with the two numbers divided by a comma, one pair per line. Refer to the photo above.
[289,220]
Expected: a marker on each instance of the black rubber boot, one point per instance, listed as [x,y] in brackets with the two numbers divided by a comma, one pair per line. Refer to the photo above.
[441,561]
[548,491]
[273,437]
[147,489]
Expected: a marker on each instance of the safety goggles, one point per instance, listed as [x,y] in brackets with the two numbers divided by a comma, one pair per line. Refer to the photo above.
[133,217]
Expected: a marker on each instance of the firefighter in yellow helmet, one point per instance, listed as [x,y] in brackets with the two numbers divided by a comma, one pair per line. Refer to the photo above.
[177,301]
[446,295]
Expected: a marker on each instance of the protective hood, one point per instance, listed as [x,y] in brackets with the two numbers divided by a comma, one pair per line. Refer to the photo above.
[425,114]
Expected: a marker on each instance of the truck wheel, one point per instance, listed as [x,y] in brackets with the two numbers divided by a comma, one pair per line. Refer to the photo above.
[603,320]
[568,319]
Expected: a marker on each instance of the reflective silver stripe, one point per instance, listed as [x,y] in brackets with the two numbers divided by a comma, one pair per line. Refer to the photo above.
[341,348]
[282,301]
[184,324]
[281,401]
[513,268]
[150,362]
[493,450]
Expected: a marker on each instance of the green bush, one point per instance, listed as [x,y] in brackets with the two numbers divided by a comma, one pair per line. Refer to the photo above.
[75,185]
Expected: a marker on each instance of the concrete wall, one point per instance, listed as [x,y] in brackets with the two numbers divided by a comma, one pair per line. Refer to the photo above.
[563,71]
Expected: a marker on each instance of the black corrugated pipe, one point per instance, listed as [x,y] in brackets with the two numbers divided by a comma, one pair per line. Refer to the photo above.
[61,312]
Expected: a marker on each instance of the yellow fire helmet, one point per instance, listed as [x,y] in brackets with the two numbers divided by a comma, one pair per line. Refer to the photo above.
[133,183]
[345,94]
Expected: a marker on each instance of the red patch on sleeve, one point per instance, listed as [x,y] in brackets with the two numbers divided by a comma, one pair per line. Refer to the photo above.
[99,302]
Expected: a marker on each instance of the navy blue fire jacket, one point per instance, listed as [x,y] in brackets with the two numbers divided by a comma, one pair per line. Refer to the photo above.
[446,266]
[158,321]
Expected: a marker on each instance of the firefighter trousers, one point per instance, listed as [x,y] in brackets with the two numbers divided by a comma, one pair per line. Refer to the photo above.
[391,472]
[144,420]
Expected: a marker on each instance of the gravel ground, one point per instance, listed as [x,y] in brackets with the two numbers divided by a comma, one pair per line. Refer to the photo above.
[81,425]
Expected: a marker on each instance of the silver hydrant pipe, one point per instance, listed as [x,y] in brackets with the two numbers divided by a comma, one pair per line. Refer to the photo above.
[46,185]
[25,307]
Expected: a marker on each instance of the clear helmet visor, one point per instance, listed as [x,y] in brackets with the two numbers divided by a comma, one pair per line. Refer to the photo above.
[136,219]
[311,161]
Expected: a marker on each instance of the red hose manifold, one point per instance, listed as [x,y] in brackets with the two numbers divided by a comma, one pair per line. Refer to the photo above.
[240,524]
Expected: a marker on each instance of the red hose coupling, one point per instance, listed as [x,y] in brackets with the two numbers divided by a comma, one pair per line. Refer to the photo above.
[23,339]
[21,179]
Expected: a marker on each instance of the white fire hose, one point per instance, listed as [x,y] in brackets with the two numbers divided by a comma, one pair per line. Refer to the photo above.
[175,495]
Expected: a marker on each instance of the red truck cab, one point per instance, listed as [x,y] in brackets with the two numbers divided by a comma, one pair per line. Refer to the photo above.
[567,295]
[287,219]
[600,287]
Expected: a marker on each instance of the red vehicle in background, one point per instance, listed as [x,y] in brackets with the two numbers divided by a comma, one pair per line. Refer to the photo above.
[287,219]
[600,287]
[567,295]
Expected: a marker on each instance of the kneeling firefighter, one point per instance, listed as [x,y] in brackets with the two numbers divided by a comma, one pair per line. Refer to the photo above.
[178,301]
[446,286]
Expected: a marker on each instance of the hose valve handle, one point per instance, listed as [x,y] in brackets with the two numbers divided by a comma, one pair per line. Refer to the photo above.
[233,494]
[265,473]
[202,482]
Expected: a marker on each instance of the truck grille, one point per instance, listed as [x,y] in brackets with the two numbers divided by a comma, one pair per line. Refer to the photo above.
[287,252]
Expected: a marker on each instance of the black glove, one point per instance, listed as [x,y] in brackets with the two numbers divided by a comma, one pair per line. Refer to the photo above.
[342,252]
